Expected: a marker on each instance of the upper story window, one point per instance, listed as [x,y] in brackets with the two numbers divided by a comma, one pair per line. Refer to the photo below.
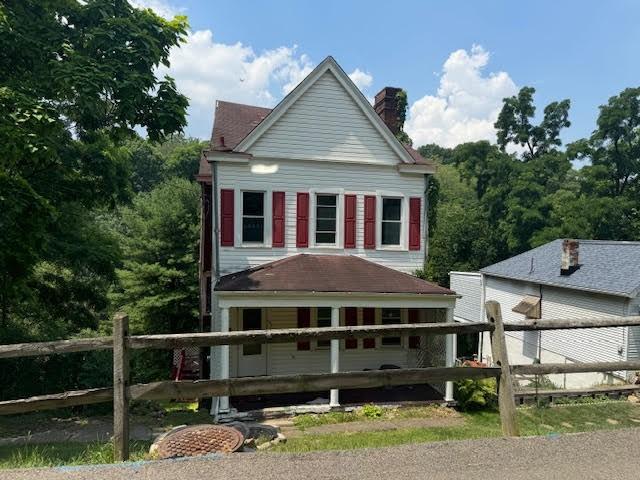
[326,210]
[253,217]
[391,221]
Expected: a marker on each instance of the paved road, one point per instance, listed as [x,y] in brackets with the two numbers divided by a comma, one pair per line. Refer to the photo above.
[599,455]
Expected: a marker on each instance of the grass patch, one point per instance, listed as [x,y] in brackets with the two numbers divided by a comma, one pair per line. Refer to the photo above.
[368,414]
[69,453]
[532,421]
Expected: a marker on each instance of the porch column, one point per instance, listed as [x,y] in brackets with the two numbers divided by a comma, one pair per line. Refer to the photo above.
[450,356]
[335,355]
[224,358]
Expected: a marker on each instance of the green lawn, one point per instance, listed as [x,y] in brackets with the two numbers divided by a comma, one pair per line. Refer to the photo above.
[69,453]
[532,421]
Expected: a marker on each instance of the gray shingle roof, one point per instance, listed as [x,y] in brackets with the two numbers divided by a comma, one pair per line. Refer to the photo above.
[605,266]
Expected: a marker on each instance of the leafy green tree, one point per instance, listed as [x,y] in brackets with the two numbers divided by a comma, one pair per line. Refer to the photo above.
[401,107]
[514,124]
[436,153]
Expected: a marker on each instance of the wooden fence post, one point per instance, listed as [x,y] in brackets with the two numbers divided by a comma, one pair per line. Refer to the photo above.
[120,386]
[506,402]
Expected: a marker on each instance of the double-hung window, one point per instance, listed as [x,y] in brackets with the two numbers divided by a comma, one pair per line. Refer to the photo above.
[391,220]
[391,316]
[323,321]
[326,214]
[252,217]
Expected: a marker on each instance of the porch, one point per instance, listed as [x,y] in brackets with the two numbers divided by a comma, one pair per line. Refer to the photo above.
[316,291]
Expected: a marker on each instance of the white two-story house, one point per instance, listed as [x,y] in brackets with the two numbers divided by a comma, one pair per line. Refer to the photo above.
[314,216]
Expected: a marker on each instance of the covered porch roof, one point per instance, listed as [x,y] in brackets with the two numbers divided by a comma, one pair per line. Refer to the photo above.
[329,280]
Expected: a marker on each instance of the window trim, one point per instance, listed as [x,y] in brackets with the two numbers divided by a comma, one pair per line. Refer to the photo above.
[404,219]
[339,240]
[268,217]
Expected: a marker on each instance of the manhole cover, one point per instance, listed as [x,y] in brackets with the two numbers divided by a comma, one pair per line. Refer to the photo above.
[199,440]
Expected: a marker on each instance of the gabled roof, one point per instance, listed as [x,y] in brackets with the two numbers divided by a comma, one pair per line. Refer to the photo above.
[327,273]
[328,64]
[606,267]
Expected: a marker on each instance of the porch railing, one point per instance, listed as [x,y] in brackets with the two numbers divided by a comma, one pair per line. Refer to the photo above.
[122,393]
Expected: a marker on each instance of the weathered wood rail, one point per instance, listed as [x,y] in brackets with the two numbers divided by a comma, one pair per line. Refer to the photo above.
[122,393]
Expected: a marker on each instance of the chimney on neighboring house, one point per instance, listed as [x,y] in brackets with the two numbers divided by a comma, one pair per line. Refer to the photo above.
[386,106]
[570,257]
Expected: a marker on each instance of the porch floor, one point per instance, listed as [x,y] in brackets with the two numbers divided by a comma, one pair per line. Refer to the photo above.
[360,396]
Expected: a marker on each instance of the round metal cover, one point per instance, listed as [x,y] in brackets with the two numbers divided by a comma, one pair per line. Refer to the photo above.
[199,440]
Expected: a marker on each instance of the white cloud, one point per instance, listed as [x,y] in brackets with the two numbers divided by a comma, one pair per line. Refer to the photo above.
[466,104]
[206,71]
[363,80]
[161,7]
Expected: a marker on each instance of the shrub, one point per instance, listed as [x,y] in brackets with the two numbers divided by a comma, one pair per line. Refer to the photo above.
[371,411]
[476,394]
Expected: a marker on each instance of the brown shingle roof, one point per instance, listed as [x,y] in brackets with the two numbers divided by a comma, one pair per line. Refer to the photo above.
[327,273]
[233,122]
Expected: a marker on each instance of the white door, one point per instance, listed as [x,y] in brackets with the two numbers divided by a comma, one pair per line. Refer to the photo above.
[252,358]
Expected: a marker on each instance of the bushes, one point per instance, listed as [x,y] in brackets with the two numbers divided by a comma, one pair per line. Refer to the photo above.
[476,394]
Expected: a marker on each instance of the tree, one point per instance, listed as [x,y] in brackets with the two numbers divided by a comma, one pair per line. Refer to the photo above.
[514,124]
[76,78]
[401,107]
[159,278]
[614,147]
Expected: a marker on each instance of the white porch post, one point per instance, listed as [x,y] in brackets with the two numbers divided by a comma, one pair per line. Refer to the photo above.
[335,355]
[450,356]
[224,358]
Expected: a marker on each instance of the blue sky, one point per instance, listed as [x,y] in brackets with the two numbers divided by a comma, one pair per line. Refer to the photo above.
[456,59]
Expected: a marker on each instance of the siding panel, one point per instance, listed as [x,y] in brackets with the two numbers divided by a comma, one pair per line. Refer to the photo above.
[325,123]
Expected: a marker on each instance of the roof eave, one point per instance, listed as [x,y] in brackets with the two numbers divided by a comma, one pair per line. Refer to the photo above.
[416,168]
[560,285]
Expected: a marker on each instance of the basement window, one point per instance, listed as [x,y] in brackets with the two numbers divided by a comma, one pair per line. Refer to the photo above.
[252,217]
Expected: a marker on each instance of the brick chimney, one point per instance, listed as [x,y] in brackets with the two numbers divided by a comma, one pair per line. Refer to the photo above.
[386,106]
[570,257]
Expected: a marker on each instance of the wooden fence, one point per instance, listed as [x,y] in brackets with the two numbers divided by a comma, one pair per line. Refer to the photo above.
[122,393]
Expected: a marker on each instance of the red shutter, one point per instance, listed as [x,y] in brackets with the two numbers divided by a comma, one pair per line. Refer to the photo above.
[349,221]
[369,221]
[369,318]
[414,317]
[414,223]
[302,220]
[351,320]
[226,217]
[277,230]
[304,321]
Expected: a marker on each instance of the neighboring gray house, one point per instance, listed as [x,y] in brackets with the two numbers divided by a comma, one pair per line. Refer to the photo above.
[561,279]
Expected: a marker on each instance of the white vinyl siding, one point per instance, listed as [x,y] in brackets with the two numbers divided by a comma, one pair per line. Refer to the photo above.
[325,123]
[317,177]
[469,285]
[586,345]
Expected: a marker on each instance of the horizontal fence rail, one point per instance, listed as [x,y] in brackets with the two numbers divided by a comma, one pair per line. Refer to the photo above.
[311,382]
[17,350]
[170,390]
[286,335]
[551,368]
[572,323]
